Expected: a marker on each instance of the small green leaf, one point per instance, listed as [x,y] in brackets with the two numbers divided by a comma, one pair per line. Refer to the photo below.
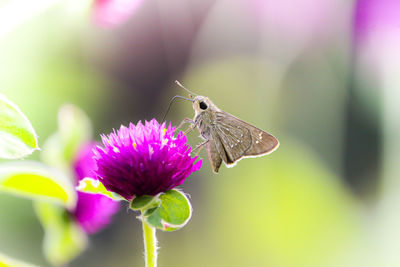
[64,239]
[155,219]
[173,213]
[17,136]
[6,261]
[93,186]
[37,181]
[149,211]
[175,208]
[74,128]
[142,202]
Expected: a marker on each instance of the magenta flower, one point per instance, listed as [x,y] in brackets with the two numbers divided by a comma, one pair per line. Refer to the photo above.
[110,13]
[93,211]
[377,17]
[144,160]
[377,34]
[377,28]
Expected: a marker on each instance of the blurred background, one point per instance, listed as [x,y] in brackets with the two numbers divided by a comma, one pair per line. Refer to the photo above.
[319,75]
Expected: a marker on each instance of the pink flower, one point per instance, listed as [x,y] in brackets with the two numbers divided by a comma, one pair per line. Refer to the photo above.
[377,32]
[377,17]
[93,211]
[109,13]
[144,159]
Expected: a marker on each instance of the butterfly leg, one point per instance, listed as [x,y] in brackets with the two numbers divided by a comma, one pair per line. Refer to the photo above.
[191,127]
[199,147]
[185,120]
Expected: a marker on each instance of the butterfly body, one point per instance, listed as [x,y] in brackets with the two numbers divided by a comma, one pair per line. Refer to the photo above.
[227,138]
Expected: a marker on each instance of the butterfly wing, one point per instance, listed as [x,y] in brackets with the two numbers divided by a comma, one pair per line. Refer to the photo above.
[234,138]
[213,156]
[240,139]
[263,143]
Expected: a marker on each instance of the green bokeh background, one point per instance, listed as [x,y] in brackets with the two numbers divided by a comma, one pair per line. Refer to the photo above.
[313,202]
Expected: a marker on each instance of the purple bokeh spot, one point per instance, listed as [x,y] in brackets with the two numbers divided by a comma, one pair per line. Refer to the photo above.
[376,17]
[109,13]
[93,211]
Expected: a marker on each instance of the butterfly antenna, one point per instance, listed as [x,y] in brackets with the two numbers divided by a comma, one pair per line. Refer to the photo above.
[190,92]
[170,103]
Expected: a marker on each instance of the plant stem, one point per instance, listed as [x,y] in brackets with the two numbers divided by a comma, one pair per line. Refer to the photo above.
[150,244]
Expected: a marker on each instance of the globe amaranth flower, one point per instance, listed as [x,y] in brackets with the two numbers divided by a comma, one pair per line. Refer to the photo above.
[144,160]
[93,211]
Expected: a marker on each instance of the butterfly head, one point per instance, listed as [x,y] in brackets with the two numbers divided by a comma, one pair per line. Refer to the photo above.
[202,104]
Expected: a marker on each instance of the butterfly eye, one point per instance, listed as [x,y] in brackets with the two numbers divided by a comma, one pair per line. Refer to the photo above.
[203,105]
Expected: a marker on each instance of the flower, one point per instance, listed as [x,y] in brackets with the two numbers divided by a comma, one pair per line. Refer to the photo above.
[108,13]
[374,17]
[93,211]
[377,30]
[144,160]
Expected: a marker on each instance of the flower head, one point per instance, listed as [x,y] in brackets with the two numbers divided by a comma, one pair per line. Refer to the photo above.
[93,211]
[144,160]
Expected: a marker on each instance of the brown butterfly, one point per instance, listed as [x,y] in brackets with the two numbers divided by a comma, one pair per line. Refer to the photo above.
[226,137]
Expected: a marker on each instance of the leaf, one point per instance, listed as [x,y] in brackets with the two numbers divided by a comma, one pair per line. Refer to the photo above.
[143,202]
[149,211]
[64,239]
[37,181]
[74,128]
[6,261]
[173,213]
[93,186]
[17,136]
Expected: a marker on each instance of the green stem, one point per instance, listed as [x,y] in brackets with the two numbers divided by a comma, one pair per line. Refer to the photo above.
[150,244]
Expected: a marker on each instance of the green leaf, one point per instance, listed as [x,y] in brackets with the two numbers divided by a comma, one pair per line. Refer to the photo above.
[74,128]
[93,186]
[173,213]
[142,202]
[149,211]
[37,181]
[17,136]
[6,261]
[64,239]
